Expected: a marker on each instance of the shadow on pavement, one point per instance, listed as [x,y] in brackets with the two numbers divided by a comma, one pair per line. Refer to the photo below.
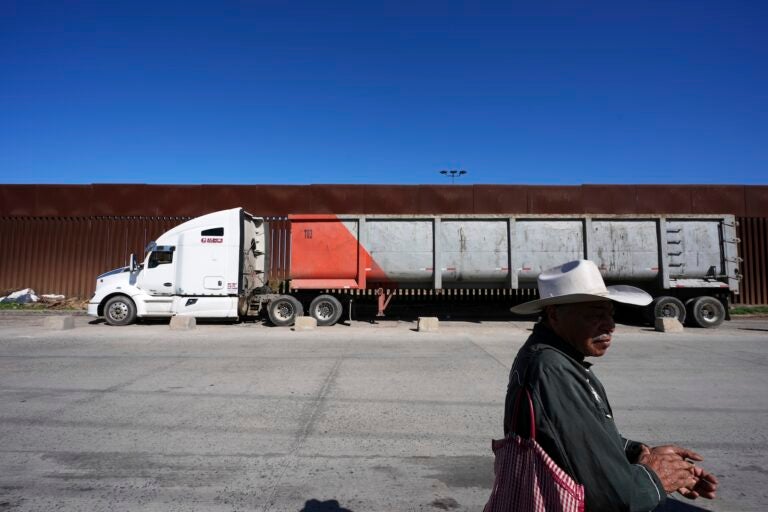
[323,506]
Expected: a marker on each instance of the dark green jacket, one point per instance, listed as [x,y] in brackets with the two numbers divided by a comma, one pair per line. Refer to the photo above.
[574,425]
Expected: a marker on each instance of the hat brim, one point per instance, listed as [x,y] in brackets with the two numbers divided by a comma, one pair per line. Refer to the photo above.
[624,294]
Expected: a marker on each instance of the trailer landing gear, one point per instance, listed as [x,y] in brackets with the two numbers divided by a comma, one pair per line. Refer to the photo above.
[383,301]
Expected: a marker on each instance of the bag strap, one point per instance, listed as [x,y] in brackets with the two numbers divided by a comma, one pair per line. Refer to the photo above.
[516,412]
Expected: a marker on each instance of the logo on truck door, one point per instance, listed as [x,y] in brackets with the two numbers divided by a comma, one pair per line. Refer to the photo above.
[212,240]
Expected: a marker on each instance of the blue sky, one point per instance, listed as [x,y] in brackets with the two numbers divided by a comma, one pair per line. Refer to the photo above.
[383,92]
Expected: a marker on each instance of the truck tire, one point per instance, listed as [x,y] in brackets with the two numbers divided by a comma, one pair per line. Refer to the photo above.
[120,310]
[707,312]
[668,307]
[326,309]
[283,310]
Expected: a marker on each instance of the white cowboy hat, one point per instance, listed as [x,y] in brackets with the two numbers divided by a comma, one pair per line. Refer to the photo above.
[579,281]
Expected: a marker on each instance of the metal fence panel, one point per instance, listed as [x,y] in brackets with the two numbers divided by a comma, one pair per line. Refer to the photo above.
[753,249]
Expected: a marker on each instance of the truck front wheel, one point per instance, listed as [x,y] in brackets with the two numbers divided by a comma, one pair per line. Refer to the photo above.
[120,310]
[283,310]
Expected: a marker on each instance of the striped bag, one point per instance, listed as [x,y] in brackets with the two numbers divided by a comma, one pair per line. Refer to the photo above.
[527,479]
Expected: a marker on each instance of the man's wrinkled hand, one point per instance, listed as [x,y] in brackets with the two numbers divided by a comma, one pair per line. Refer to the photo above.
[705,486]
[674,472]
[672,464]
[681,452]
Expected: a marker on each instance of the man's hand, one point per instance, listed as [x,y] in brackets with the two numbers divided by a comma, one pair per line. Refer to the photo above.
[703,485]
[706,485]
[683,453]
[673,471]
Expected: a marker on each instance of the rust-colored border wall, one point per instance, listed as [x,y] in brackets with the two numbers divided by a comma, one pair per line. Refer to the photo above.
[753,249]
[278,248]
[278,200]
[64,255]
[58,238]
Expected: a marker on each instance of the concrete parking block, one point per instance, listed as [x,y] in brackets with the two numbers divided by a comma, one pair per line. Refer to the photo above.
[428,324]
[59,323]
[668,325]
[183,323]
[304,323]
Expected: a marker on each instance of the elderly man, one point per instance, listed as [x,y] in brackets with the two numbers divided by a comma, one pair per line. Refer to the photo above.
[574,421]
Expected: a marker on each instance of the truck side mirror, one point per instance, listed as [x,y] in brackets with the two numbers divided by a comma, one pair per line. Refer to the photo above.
[132,262]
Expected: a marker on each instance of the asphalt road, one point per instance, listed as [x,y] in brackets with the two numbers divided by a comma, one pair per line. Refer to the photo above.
[366,417]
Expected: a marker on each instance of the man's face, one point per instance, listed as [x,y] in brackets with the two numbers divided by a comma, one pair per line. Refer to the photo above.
[587,326]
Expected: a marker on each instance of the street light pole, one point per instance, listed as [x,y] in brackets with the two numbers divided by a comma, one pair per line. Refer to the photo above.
[453,173]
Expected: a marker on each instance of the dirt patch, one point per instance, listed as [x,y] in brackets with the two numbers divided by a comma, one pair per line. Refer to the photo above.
[45,304]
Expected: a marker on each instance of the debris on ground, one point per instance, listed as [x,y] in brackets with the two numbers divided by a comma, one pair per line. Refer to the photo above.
[24,296]
[65,303]
[28,299]
[51,297]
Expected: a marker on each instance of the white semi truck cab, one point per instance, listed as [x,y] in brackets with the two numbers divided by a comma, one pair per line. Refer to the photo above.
[207,267]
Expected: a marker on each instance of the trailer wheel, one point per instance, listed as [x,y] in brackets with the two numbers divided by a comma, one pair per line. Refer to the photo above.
[326,309]
[120,310]
[668,307]
[283,310]
[707,312]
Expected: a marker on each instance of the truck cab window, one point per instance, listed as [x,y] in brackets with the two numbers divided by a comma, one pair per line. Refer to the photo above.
[213,232]
[160,258]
